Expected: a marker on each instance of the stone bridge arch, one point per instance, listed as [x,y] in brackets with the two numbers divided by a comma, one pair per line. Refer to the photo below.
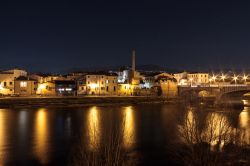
[232,93]
[204,93]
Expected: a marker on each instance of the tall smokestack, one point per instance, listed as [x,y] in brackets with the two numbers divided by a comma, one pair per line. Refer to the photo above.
[133,60]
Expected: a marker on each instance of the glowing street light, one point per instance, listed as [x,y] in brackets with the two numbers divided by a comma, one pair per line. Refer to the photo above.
[214,78]
[245,78]
[235,79]
[223,77]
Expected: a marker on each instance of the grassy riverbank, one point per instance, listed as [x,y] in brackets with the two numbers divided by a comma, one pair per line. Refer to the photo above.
[17,102]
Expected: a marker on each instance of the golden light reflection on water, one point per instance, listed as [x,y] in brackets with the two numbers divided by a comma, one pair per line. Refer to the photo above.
[3,139]
[215,130]
[129,127]
[94,131]
[41,136]
[244,121]
[218,129]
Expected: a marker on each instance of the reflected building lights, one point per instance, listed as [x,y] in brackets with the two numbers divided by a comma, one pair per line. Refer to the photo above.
[244,121]
[94,132]
[218,129]
[3,139]
[41,136]
[215,130]
[129,127]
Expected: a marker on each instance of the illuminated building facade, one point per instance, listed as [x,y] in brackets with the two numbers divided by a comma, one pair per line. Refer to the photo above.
[181,78]
[195,79]
[46,89]
[167,85]
[101,84]
[7,80]
[25,86]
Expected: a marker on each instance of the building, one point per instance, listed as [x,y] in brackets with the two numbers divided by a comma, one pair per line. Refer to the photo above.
[65,88]
[101,84]
[46,89]
[7,80]
[181,78]
[166,84]
[126,89]
[129,80]
[25,86]
[198,79]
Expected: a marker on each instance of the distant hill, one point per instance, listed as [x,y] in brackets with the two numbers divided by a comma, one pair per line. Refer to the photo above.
[147,67]
[154,68]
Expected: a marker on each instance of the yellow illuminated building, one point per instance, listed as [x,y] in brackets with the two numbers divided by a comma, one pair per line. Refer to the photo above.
[41,136]
[101,84]
[126,89]
[7,80]
[46,89]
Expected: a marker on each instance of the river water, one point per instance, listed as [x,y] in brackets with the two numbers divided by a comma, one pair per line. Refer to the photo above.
[146,132]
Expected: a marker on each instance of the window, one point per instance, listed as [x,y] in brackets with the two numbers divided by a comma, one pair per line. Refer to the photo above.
[114,88]
[10,83]
[4,84]
[23,84]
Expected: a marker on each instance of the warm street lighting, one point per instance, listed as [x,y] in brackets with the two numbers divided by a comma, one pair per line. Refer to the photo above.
[214,78]
[245,78]
[223,77]
[235,79]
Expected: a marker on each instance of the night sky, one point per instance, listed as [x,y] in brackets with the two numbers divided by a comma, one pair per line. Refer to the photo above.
[42,35]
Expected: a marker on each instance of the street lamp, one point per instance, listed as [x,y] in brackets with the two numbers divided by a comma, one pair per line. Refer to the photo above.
[245,78]
[214,78]
[235,79]
[223,77]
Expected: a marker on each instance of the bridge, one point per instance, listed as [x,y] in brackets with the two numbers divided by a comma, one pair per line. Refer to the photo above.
[217,91]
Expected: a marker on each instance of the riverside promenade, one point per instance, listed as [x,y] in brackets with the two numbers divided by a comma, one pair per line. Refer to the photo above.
[26,102]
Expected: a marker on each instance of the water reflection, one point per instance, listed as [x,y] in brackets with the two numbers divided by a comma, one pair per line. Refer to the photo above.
[129,127]
[3,138]
[215,130]
[41,136]
[244,121]
[94,131]
[218,129]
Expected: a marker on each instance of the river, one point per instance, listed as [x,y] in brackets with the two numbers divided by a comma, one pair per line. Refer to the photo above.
[146,132]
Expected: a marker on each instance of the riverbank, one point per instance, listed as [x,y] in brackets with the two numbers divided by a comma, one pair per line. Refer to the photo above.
[24,102]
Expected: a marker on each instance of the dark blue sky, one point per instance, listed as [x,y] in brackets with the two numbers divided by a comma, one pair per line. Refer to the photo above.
[42,35]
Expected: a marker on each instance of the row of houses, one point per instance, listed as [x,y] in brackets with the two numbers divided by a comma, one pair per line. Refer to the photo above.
[18,82]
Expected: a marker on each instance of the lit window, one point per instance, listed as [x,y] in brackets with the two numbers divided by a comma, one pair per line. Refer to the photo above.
[23,84]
